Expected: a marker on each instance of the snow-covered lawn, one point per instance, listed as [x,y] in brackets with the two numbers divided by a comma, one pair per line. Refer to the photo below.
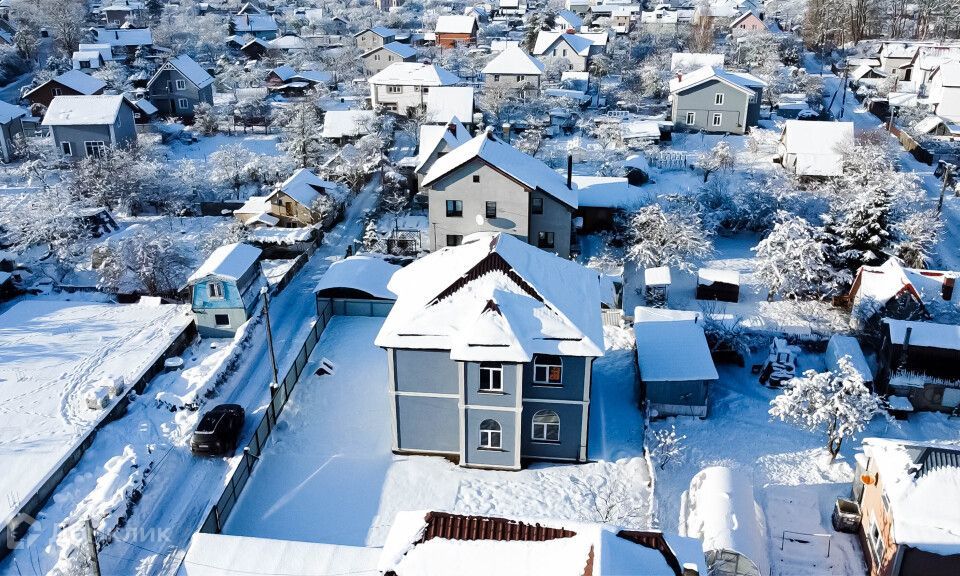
[331,455]
[791,470]
[53,354]
[254,141]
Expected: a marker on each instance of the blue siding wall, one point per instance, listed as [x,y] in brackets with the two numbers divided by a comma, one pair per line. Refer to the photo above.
[571,425]
[426,371]
[507,456]
[231,296]
[572,378]
[689,393]
[427,423]
[472,387]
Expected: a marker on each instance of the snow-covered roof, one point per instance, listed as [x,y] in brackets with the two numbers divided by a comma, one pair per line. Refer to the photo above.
[284,72]
[452,24]
[191,70]
[526,169]
[8,112]
[840,346]
[83,110]
[690,61]
[370,274]
[244,23]
[514,60]
[877,285]
[142,104]
[818,145]
[651,314]
[572,19]
[125,36]
[432,135]
[739,80]
[86,55]
[347,123]
[924,334]
[82,83]
[254,205]
[722,513]
[673,351]
[228,262]
[606,192]
[315,76]
[578,42]
[928,124]
[414,74]
[495,297]
[659,276]
[530,547]
[949,73]
[400,49]
[445,102]
[289,42]
[863,69]
[304,186]
[922,484]
[381,31]
[220,554]
[708,276]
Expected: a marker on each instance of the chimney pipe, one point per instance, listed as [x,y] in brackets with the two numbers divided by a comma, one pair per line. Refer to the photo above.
[452,128]
[570,171]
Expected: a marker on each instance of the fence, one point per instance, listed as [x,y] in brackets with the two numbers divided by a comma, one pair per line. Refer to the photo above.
[213,524]
[911,145]
[668,160]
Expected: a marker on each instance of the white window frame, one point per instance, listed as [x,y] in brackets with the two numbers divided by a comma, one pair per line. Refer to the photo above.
[181,84]
[95,148]
[716,119]
[182,104]
[718,99]
[216,320]
[491,438]
[215,290]
[539,365]
[875,540]
[66,148]
[540,431]
[58,91]
[394,89]
[691,118]
[492,372]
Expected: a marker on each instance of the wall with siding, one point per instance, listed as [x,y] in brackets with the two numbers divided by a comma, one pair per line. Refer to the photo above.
[571,426]
[572,378]
[700,101]
[429,371]
[472,387]
[426,423]
[507,456]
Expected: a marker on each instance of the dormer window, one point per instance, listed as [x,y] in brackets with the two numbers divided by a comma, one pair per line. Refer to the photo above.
[215,290]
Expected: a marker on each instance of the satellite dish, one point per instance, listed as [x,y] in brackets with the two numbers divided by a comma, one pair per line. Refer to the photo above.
[479,220]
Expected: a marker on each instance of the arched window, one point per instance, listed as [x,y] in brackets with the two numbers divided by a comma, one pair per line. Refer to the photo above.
[547,370]
[491,377]
[490,435]
[546,426]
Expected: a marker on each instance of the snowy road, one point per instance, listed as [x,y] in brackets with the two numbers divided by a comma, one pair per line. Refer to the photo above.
[849,109]
[181,488]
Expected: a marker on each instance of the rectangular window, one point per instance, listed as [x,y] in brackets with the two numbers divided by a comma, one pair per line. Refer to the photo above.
[182,103]
[875,540]
[454,208]
[66,149]
[454,239]
[545,239]
[718,98]
[491,377]
[58,92]
[547,370]
[491,209]
[476,178]
[691,118]
[717,119]
[536,205]
[84,64]
[94,148]
[394,89]
[215,289]
[221,319]
[496,77]
[520,78]
[181,84]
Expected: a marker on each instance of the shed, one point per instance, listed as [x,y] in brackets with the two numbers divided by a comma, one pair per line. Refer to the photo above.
[714,284]
[357,286]
[226,289]
[671,387]
[815,148]
[655,282]
[719,509]
[840,346]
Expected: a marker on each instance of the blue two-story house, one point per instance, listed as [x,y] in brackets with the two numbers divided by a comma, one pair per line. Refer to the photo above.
[490,348]
[225,289]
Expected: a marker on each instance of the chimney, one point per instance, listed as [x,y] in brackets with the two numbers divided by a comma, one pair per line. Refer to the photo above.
[948,283]
[452,128]
[679,76]
[570,171]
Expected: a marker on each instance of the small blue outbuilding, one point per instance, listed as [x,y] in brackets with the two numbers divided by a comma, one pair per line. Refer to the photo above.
[226,289]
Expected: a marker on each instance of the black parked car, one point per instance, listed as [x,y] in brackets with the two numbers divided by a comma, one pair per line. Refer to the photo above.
[218,431]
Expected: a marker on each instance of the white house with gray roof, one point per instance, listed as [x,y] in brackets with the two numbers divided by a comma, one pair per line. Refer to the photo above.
[87,125]
[402,87]
[574,48]
[487,185]
[514,70]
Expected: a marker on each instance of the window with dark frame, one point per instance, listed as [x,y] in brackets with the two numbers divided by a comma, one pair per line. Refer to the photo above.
[545,240]
[536,205]
[547,370]
[66,149]
[215,289]
[476,178]
[491,209]
[491,377]
[454,208]
[454,239]
[221,319]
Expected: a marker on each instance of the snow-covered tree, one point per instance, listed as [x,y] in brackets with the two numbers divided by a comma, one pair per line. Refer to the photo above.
[50,220]
[151,265]
[702,32]
[205,120]
[720,158]
[666,446]
[302,139]
[838,403]
[116,76]
[230,167]
[792,260]
[394,194]
[666,238]
[370,236]
[916,236]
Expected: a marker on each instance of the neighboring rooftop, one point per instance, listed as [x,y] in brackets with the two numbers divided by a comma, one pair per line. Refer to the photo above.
[369,274]
[83,110]
[414,74]
[228,262]
[514,60]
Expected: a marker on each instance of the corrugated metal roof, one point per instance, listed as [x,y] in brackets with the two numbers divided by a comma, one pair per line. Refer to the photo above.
[459,527]
[930,458]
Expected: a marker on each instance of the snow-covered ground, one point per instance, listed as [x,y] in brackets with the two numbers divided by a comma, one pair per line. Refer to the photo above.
[53,355]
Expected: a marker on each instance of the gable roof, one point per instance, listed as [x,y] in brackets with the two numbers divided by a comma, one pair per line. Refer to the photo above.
[571,18]
[284,72]
[190,70]
[125,36]
[381,31]
[398,48]
[228,262]
[660,344]
[525,169]
[874,286]
[741,81]
[303,186]
[744,16]
[76,80]
[949,74]
[432,135]
[495,297]
[254,23]
[83,110]
[444,102]
[545,40]
[452,24]
[342,123]
[514,60]
[414,74]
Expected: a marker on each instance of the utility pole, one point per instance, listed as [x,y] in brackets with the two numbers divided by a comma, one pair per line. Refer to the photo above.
[266,312]
[92,542]
[943,188]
